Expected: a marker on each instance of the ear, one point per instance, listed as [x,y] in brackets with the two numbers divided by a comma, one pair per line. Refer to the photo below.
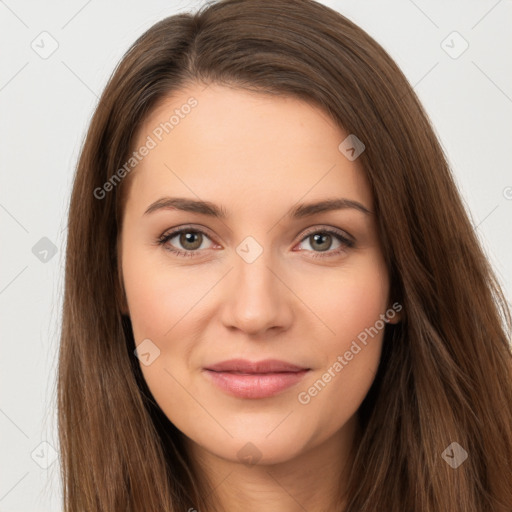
[394,313]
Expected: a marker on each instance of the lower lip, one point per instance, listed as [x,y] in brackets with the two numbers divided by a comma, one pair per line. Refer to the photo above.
[257,385]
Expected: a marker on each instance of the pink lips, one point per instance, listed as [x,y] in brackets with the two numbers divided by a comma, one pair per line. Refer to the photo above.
[258,379]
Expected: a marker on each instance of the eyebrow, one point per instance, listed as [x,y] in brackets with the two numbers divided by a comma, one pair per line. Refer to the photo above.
[212,210]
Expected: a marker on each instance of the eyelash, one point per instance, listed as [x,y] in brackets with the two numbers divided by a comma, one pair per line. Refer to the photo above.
[346,243]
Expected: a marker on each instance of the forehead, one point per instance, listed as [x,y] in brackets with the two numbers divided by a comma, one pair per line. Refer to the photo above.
[228,143]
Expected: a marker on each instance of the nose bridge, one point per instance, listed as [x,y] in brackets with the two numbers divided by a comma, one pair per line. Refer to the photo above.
[257,300]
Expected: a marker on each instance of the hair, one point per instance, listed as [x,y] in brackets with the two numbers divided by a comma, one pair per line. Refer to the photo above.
[445,373]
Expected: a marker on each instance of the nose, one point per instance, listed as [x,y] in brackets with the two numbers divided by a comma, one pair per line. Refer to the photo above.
[257,298]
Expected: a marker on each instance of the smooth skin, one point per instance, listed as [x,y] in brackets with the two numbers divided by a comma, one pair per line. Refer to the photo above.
[303,301]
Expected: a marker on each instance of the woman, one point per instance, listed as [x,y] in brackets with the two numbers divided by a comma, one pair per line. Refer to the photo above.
[255,369]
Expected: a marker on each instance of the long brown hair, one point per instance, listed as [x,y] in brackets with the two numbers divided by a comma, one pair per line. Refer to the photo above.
[446,370]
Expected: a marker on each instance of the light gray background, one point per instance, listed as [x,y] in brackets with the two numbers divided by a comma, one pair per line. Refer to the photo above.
[46,105]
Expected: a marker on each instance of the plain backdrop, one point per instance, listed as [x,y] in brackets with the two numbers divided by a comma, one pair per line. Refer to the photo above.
[46,101]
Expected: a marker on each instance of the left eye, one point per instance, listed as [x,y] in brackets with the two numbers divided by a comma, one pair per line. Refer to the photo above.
[322,241]
[192,239]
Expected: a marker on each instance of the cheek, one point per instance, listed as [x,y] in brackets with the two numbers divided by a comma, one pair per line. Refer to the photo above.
[349,300]
[162,305]
[158,297]
[167,306]
[350,309]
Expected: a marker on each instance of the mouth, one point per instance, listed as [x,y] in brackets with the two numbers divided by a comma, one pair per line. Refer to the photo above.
[260,379]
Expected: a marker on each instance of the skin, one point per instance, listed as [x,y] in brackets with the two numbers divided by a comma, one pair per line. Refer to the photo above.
[257,156]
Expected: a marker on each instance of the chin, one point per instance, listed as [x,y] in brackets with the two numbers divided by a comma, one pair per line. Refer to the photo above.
[258,449]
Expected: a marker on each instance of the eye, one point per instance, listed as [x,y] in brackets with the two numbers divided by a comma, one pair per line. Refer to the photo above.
[191,239]
[322,240]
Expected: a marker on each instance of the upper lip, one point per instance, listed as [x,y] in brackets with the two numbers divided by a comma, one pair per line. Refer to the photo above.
[246,366]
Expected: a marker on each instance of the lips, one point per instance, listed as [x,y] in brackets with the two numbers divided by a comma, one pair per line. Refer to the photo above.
[254,379]
[251,367]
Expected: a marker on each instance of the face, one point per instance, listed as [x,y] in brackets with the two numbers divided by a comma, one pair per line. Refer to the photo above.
[254,275]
